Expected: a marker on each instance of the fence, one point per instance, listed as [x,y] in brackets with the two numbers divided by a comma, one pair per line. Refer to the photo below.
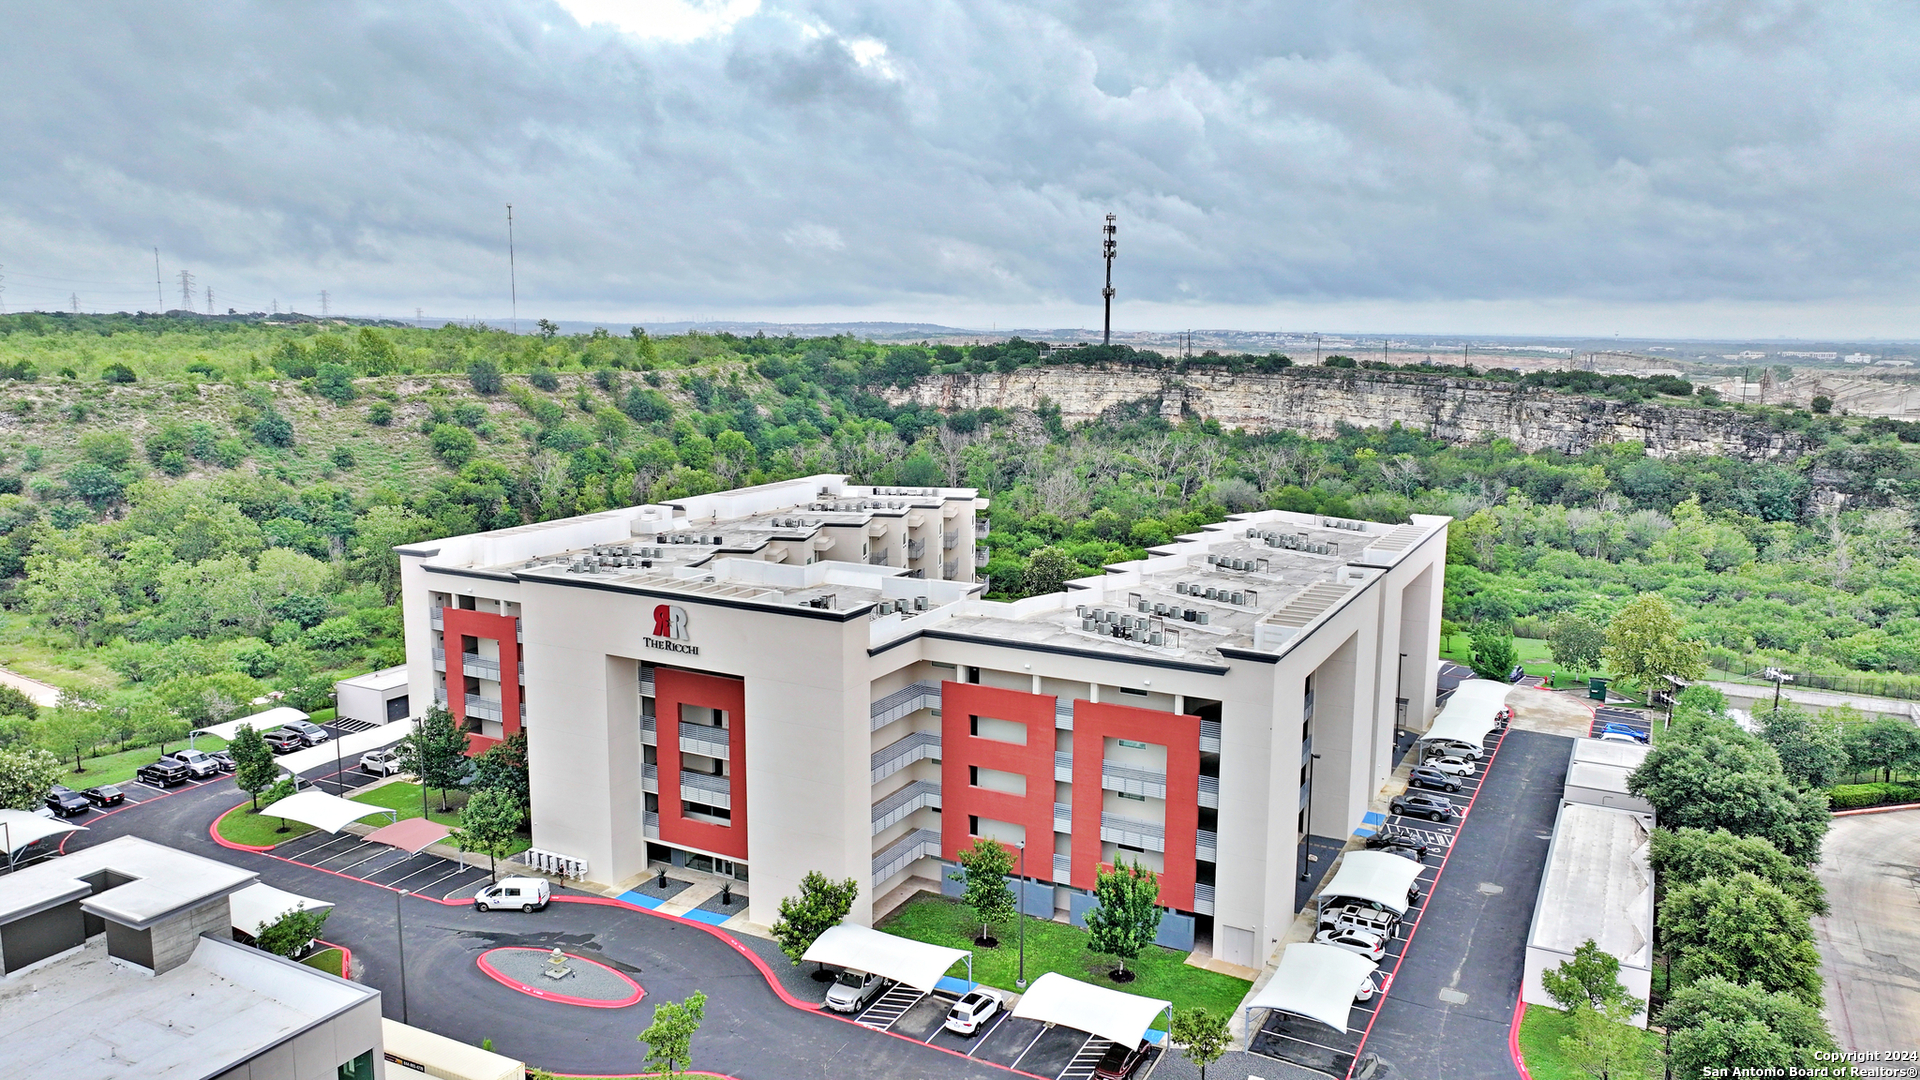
[1903,687]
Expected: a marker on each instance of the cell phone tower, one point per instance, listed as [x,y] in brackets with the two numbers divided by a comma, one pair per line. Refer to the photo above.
[1106,250]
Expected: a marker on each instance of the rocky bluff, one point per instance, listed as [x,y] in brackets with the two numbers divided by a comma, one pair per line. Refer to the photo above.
[1315,401]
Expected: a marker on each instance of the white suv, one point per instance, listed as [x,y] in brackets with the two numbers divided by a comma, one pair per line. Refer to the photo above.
[380,762]
[198,762]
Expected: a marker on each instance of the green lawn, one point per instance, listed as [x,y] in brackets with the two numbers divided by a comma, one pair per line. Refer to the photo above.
[1053,946]
[243,826]
[1540,1033]
[327,960]
[119,768]
[323,716]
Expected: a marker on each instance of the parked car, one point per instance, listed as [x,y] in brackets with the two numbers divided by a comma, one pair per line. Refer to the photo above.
[1402,846]
[1369,986]
[1449,764]
[972,1012]
[381,762]
[1370,945]
[105,795]
[282,741]
[313,733]
[1119,1062]
[224,760]
[1456,747]
[525,893]
[854,990]
[199,763]
[164,773]
[1366,917]
[1619,733]
[1423,805]
[67,802]
[1427,776]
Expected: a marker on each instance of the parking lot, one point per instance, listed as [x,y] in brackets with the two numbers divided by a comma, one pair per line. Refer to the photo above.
[1637,721]
[378,864]
[1052,1052]
[1315,1046]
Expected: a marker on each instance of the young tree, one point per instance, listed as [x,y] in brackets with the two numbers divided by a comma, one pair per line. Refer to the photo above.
[15,703]
[1047,571]
[821,905]
[1605,1045]
[1812,753]
[71,732]
[1741,928]
[436,752]
[504,766]
[254,770]
[1494,656]
[1590,980]
[25,775]
[1682,857]
[484,374]
[1202,1036]
[1644,645]
[983,871]
[1126,917]
[1883,746]
[1720,1027]
[163,729]
[281,788]
[1576,642]
[489,823]
[669,1037]
[291,934]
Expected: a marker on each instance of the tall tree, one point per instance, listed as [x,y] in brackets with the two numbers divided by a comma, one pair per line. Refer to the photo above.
[436,754]
[1883,746]
[1576,642]
[1812,751]
[1605,1045]
[25,775]
[1048,569]
[1711,775]
[1494,655]
[983,873]
[254,770]
[504,766]
[1682,857]
[1590,980]
[1201,1036]
[1721,1027]
[1741,928]
[669,1037]
[1645,646]
[821,905]
[72,733]
[1127,914]
[490,824]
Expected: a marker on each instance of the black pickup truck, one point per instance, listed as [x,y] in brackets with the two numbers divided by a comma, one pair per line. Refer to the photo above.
[164,773]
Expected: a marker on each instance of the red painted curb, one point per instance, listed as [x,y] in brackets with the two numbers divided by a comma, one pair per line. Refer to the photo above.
[1876,809]
[213,830]
[512,983]
[1513,1040]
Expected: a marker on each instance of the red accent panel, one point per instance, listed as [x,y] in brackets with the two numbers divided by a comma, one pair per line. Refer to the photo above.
[503,629]
[959,748]
[1095,723]
[672,688]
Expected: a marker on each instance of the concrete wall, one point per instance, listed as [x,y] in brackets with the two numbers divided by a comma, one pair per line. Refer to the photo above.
[40,935]
[174,938]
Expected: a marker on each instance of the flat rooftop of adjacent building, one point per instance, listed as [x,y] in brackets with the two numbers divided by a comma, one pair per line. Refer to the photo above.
[1598,884]
[154,882]
[86,1016]
[1620,755]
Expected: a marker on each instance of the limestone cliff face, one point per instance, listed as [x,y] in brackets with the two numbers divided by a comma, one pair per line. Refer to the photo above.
[1315,401]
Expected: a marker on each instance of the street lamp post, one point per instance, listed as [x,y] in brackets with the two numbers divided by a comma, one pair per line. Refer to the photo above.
[339,767]
[1306,841]
[399,930]
[1020,915]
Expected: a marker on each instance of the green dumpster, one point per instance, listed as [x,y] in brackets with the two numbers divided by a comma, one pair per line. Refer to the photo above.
[1597,688]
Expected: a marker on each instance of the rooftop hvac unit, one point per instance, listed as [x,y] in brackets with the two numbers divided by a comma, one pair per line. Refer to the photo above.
[646,564]
[919,603]
[1180,587]
[1213,560]
[1087,624]
[1189,615]
[1239,598]
[717,541]
[1081,610]
[1155,638]
[1200,617]
[1111,616]
[1212,593]
[1159,609]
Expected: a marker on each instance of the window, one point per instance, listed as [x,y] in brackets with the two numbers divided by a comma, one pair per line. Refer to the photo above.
[973,776]
[360,1068]
[1131,796]
[1131,692]
[973,824]
[1134,745]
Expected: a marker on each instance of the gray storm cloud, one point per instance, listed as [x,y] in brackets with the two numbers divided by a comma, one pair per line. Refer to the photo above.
[898,158]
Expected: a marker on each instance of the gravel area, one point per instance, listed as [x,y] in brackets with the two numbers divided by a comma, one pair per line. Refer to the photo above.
[737,905]
[650,887]
[585,979]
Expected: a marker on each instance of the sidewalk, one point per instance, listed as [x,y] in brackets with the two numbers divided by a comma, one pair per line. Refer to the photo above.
[45,695]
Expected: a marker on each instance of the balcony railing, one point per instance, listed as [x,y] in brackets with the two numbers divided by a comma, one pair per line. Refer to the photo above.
[1210,792]
[482,708]
[981,527]
[878,558]
[1203,899]
[650,823]
[915,746]
[1062,817]
[439,659]
[895,808]
[707,790]
[1063,714]
[703,739]
[1131,780]
[480,667]
[1063,766]
[1148,835]
[980,556]
[646,682]
[649,731]
[1209,736]
[650,777]
[951,571]
[950,541]
[916,549]
[436,620]
[904,852]
[1062,869]
[1206,846]
[903,703]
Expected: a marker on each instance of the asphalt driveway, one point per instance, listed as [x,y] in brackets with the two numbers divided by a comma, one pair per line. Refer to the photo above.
[1868,944]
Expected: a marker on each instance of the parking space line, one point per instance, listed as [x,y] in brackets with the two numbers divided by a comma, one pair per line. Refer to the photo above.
[437,881]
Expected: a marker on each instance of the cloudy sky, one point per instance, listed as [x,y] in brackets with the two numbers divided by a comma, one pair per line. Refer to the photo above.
[1642,167]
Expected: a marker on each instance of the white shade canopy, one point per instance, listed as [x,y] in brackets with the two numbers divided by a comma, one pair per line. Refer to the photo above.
[23,828]
[324,811]
[1123,1018]
[262,722]
[260,904]
[1315,981]
[1469,713]
[914,963]
[1378,877]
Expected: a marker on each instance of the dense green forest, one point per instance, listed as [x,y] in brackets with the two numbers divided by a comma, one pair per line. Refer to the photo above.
[195,511]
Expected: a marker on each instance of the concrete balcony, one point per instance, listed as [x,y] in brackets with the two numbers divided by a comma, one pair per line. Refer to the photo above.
[980,557]
[650,777]
[951,571]
[1131,780]
[1063,714]
[646,683]
[480,708]
[903,703]
[1063,766]
[437,620]
[904,852]
[1210,792]
[1206,846]
[480,667]
[950,541]
[916,549]
[1203,899]
[1063,869]
[1149,835]
[878,558]
[649,732]
[1209,736]
[703,739]
[981,527]
[707,790]
[1062,817]
[650,824]
[892,810]
[439,659]
[915,746]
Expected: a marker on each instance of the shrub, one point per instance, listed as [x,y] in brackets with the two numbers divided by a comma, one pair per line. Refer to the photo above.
[455,445]
[380,414]
[335,383]
[117,373]
[544,379]
[273,429]
[342,458]
[485,376]
[1855,796]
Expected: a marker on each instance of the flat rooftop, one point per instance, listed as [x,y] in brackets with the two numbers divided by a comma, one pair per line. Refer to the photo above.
[85,1016]
[157,881]
[1598,884]
[1620,755]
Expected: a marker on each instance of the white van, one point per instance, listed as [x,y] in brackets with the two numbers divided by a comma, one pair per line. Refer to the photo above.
[525,893]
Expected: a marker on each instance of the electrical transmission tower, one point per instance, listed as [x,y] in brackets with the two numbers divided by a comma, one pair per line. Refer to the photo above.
[159,297]
[3,289]
[324,300]
[74,300]
[186,290]
[1107,250]
[209,299]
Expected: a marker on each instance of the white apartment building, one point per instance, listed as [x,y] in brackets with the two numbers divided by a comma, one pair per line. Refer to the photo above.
[804,676]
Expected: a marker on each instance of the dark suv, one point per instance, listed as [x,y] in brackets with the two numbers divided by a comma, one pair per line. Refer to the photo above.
[164,773]
[1420,804]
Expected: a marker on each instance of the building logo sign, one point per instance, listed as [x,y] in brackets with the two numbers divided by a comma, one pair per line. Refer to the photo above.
[670,630]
